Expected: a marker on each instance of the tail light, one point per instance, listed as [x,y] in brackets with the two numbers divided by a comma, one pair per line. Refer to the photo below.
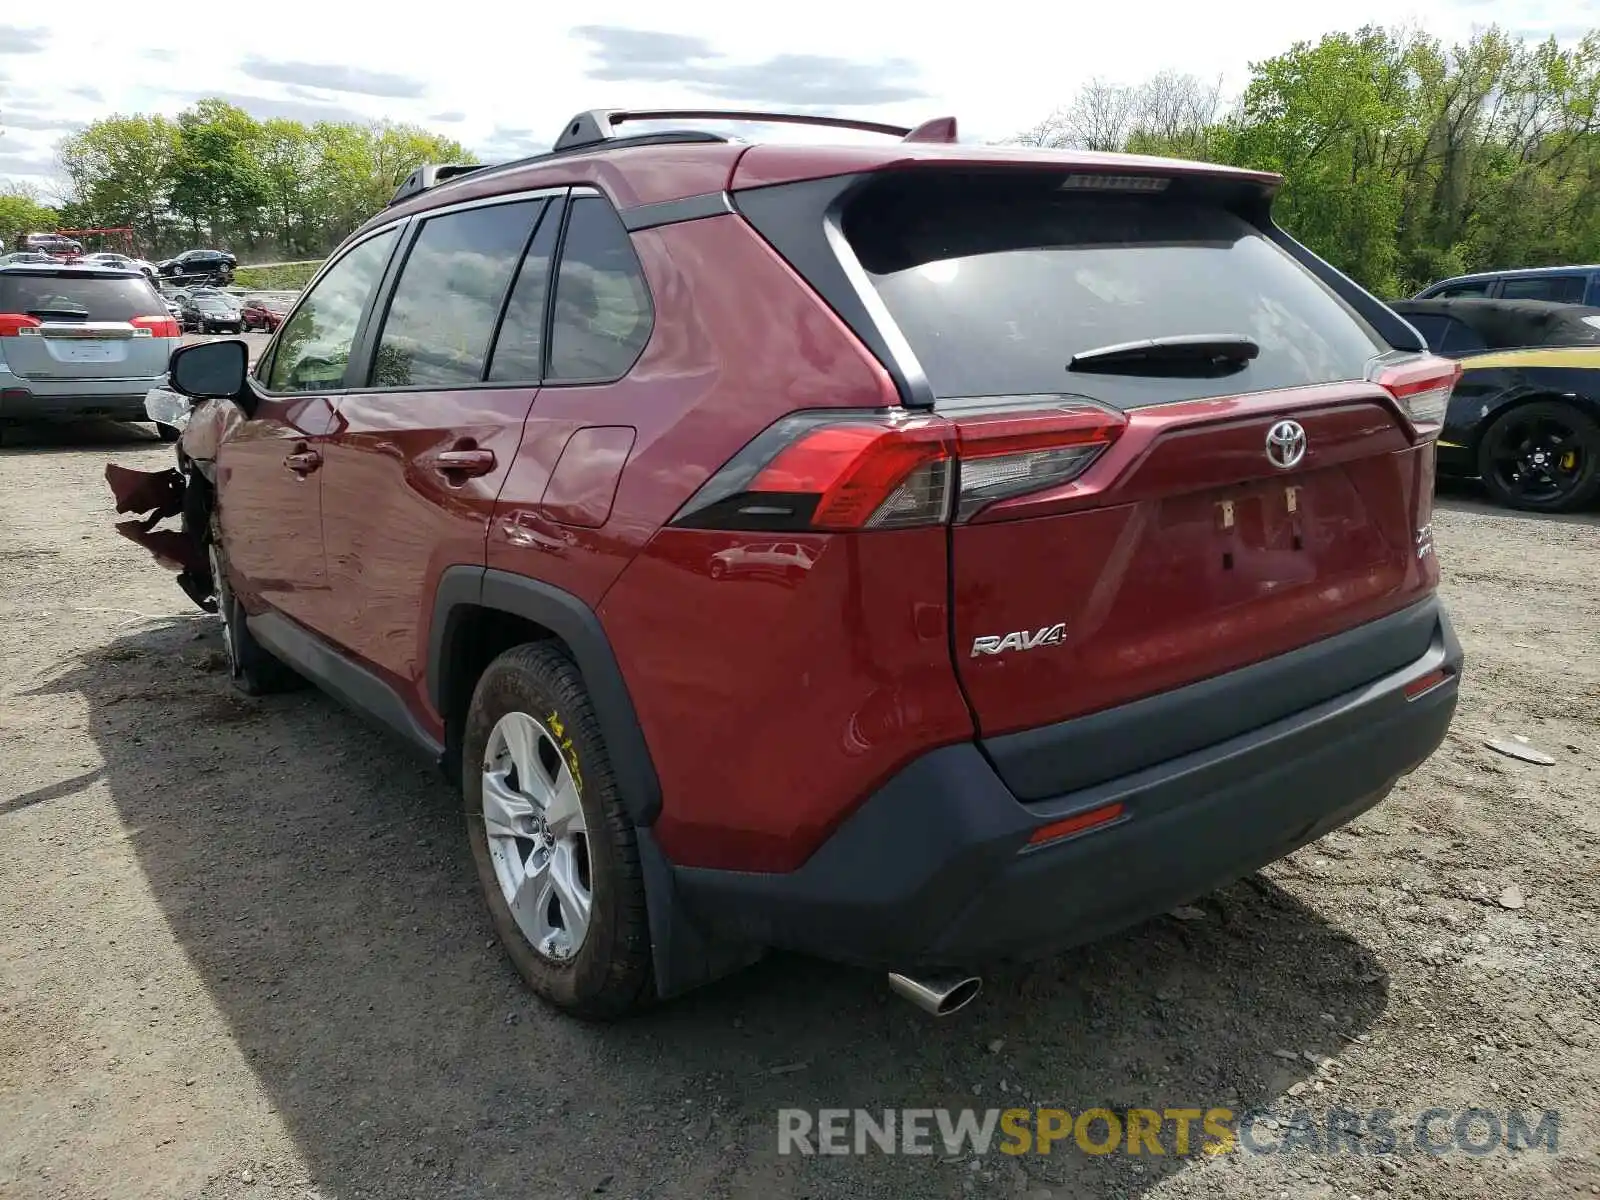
[1422,387]
[848,469]
[161,327]
[18,325]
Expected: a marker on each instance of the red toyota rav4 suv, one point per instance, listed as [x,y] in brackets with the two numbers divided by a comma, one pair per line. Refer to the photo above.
[1107,571]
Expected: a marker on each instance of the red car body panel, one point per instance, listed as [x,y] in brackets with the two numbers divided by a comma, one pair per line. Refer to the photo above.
[809,700]
[259,314]
[847,668]
[395,516]
[1182,553]
[281,565]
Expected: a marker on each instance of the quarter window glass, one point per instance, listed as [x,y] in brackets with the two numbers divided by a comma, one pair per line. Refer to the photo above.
[313,349]
[518,351]
[442,316]
[1460,289]
[602,307]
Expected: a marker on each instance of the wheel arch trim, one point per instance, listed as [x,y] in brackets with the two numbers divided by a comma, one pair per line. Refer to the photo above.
[463,589]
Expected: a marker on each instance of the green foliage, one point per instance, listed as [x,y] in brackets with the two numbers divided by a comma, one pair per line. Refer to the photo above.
[1403,161]
[20,214]
[281,277]
[217,176]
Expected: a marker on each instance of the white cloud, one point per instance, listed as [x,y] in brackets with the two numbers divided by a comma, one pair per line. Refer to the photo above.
[997,70]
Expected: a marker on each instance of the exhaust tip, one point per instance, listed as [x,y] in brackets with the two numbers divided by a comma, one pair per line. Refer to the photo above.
[938,996]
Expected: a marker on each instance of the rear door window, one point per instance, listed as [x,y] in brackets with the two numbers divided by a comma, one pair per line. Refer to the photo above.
[1565,289]
[1479,288]
[996,283]
[73,296]
[519,348]
[443,312]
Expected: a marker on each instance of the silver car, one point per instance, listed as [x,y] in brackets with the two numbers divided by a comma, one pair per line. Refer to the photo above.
[79,341]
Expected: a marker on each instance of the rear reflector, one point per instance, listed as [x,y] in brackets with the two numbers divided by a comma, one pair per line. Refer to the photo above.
[1422,387]
[848,469]
[1077,823]
[18,325]
[1426,683]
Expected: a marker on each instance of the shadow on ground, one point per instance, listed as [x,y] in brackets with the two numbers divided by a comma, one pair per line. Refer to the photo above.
[46,437]
[321,884]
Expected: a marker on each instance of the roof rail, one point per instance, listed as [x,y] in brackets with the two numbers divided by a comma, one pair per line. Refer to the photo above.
[430,175]
[595,127]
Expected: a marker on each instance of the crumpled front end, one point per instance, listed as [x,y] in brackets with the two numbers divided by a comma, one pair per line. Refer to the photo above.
[158,496]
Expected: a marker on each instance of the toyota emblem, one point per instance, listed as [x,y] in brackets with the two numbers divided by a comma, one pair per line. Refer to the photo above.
[1286,444]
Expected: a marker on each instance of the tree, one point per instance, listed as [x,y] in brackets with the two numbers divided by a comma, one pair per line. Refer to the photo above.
[215,179]
[1404,161]
[215,173]
[22,213]
[117,171]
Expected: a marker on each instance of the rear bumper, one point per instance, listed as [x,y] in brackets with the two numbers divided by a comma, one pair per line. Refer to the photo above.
[121,399]
[935,869]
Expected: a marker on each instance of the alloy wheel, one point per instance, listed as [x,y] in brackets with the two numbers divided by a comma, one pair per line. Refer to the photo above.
[1538,458]
[538,842]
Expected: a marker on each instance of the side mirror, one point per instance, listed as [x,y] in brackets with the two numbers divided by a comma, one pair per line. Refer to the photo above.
[210,370]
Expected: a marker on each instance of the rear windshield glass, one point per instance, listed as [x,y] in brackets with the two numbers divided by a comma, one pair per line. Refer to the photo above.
[997,283]
[76,297]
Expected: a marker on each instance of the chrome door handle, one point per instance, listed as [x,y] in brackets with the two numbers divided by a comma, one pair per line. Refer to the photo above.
[465,462]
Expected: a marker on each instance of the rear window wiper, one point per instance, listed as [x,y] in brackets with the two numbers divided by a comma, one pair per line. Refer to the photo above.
[62,314]
[1180,354]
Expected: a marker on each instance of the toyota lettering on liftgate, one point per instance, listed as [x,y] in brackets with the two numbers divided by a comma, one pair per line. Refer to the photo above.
[916,554]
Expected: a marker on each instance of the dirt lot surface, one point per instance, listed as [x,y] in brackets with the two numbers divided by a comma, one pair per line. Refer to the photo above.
[243,955]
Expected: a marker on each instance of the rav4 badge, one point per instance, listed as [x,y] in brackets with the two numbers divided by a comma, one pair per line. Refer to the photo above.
[1022,639]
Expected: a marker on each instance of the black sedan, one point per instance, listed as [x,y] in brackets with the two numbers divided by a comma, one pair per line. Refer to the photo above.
[1525,416]
[211,312]
[216,265]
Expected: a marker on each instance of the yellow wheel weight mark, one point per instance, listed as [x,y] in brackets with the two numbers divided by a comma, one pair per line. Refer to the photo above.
[567,748]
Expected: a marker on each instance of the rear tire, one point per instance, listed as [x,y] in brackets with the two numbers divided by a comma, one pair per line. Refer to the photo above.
[533,696]
[1521,457]
[167,433]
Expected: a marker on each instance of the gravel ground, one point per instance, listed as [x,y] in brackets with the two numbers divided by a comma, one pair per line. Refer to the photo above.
[244,955]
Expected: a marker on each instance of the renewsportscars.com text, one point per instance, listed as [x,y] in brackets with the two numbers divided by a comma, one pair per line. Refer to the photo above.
[1168,1131]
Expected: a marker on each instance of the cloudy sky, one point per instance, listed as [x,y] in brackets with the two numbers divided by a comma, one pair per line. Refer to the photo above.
[502,81]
